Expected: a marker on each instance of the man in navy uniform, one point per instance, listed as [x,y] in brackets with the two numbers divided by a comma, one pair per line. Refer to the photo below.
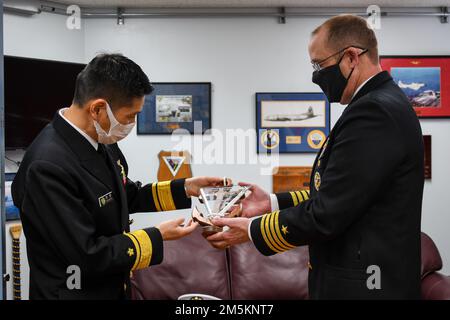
[75,197]
[362,216]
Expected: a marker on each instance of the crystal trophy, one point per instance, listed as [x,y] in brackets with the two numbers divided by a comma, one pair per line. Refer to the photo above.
[217,201]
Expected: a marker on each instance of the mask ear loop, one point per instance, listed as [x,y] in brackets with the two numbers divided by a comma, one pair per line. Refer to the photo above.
[339,62]
[112,119]
[350,74]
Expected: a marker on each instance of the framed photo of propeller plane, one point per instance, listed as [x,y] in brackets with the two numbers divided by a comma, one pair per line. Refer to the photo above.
[425,80]
[291,122]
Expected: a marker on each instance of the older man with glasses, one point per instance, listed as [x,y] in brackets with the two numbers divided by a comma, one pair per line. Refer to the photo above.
[361,217]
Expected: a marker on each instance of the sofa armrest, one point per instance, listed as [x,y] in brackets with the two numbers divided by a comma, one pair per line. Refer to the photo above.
[436,286]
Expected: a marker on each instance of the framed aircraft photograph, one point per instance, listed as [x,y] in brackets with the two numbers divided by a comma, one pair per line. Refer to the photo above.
[425,80]
[291,122]
[172,106]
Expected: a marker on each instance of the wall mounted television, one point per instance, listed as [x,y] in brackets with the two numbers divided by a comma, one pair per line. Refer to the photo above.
[34,90]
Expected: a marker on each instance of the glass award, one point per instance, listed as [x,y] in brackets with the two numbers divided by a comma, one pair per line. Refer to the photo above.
[218,202]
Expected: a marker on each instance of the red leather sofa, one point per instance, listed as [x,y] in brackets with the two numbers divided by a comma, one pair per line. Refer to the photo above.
[191,265]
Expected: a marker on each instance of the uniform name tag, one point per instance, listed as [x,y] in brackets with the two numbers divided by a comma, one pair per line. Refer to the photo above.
[105,199]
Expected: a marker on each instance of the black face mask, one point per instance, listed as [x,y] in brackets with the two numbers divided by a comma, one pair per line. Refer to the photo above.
[331,81]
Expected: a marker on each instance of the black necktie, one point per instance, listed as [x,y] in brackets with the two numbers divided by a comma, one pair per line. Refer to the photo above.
[102,151]
[104,154]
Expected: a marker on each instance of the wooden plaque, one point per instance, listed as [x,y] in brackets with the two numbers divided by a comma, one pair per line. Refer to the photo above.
[174,165]
[291,178]
[427,156]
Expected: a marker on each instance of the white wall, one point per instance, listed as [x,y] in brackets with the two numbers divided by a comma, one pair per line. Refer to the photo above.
[240,56]
[43,36]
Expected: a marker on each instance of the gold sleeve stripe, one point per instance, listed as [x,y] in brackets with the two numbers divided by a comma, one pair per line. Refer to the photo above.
[270,234]
[300,196]
[137,248]
[144,247]
[294,198]
[280,236]
[263,232]
[170,198]
[305,194]
[161,197]
[155,197]
[165,196]
[275,236]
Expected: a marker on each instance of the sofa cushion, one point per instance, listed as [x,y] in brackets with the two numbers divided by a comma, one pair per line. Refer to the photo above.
[282,276]
[190,265]
[436,286]
[431,259]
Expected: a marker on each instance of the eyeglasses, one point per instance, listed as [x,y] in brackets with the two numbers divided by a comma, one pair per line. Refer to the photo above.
[317,65]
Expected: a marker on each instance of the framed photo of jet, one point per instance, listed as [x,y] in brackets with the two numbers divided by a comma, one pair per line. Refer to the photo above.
[425,80]
[291,122]
[184,107]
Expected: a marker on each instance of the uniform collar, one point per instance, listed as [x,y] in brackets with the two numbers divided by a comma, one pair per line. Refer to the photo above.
[84,134]
[74,139]
[371,84]
[360,86]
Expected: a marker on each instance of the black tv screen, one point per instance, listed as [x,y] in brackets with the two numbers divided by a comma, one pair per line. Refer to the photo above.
[34,90]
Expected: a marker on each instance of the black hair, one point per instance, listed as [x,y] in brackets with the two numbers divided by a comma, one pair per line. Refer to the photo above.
[112,77]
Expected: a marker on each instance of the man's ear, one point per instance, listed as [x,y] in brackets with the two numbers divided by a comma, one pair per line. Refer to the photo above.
[95,107]
[353,57]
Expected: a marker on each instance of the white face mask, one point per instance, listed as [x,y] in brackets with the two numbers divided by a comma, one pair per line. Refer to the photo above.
[117,131]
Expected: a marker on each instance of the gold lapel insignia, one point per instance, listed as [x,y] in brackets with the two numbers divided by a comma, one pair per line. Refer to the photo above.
[122,172]
[105,199]
[317,181]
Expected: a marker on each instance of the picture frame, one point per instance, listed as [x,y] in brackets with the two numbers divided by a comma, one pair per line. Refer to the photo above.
[11,211]
[295,122]
[425,80]
[427,156]
[176,105]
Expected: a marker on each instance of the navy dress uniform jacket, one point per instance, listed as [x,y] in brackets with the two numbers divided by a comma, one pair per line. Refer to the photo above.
[75,202]
[362,213]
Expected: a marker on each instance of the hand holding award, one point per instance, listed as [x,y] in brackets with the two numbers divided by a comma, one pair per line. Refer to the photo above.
[218,203]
